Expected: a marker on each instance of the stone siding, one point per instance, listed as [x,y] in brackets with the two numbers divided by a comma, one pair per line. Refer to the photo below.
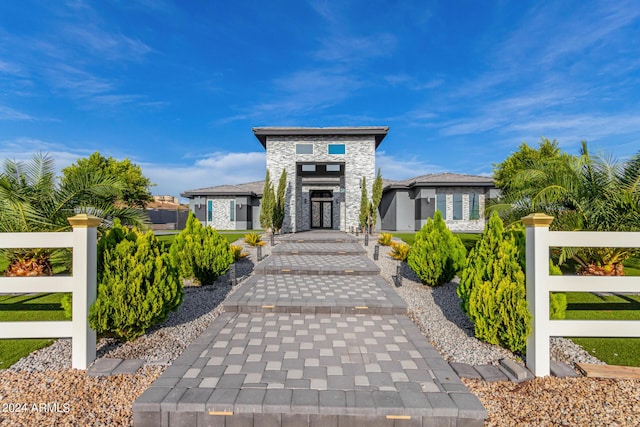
[221,214]
[465,224]
[359,160]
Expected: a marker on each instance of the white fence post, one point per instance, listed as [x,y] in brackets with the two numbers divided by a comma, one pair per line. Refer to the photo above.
[83,342]
[537,276]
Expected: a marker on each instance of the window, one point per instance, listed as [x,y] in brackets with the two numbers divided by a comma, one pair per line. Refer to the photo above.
[441,204]
[308,168]
[304,148]
[232,210]
[333,168]
[209,210]
[474,206]
[336,149]
[457,206]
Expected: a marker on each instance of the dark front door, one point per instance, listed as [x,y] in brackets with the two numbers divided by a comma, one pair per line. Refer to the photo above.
[321,209]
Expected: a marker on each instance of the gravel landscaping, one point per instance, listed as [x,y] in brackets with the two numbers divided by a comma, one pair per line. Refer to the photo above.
[45,377]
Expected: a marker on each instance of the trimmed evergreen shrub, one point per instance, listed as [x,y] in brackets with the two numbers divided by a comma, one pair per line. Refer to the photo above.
[437,255]
[492,289]
[201,252]
[557,300]
[278,208]
[138,285]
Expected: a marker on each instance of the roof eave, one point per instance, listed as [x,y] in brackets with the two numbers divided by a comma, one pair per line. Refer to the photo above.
[379,132]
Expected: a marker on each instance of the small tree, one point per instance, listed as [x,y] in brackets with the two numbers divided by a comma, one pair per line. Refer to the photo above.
[376,197]
[492,289]
[138,285]
[437,255]
[201,252]
[267,204]
[364,204]
[278,210]
[135,186]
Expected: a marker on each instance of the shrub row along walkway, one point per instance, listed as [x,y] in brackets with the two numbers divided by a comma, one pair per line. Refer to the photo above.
[314,338]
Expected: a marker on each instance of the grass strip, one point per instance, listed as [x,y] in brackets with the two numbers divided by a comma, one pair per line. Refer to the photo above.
[589,306]
[27,307]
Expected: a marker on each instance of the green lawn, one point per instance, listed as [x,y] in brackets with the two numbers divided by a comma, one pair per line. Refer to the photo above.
[231,236]
[614,351]
[27,307]
[408,238]
[468,239]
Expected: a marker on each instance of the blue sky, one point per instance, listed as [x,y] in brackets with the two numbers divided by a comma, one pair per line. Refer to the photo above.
[177,86]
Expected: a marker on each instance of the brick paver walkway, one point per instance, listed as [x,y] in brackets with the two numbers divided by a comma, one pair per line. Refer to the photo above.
[313,346]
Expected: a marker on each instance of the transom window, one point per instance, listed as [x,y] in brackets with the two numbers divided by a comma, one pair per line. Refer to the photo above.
[336,149]
[304,148]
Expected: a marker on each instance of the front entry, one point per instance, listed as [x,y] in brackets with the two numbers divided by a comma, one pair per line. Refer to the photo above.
[321,209]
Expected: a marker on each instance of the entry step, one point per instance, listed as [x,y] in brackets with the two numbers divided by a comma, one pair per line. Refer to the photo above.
[315,294]
[318,265]
[318,248]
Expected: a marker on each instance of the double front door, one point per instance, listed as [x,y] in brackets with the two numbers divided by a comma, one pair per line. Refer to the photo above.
[321,209]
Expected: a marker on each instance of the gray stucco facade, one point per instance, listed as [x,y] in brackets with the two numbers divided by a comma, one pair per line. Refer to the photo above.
[406,205]
[325,170]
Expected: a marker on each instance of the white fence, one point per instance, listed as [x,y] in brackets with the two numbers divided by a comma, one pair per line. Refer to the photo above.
[540,283]
[82,283]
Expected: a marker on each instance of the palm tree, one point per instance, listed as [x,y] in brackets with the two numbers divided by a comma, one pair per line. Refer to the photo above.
[33,199]
[583,193]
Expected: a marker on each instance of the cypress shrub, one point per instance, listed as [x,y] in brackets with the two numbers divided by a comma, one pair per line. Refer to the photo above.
[137,287]
[557,300]
[200,252]
[437,255]
[492,289]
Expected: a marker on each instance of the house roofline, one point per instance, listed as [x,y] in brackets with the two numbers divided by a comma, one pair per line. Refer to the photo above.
[398,186]
[379,132]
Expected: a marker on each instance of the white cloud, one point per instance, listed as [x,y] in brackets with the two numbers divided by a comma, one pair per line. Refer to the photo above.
[7,113]
[212,170]
[23,149]
[403,167]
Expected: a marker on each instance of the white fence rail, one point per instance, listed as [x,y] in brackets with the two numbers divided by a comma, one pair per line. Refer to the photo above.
[540,283]
[82,284]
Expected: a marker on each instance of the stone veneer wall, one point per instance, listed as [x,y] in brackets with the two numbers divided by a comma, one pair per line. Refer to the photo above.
[465,224]
[359,159]
[221,211]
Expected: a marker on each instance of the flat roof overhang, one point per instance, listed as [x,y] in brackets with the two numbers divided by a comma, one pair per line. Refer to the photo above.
[379,132]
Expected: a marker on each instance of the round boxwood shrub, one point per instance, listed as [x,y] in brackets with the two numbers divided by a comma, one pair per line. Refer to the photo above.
[138,285]
[437,255]
[492,289]
[201,252]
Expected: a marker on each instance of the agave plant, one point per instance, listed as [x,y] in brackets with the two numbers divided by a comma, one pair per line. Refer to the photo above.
[33,199]
[589,193]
